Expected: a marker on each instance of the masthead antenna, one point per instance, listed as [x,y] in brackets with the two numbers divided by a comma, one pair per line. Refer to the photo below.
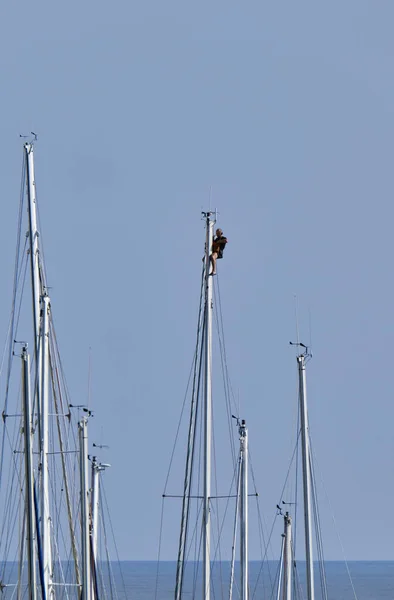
[34,139]
[296,318]
[90,376]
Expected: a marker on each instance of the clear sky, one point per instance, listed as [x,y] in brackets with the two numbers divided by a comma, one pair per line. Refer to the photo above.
[286,110]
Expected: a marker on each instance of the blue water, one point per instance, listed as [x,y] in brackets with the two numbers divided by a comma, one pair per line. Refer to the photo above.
[139,581]
[371,580]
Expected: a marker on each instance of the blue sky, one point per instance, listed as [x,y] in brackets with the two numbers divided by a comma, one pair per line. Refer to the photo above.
[285,110]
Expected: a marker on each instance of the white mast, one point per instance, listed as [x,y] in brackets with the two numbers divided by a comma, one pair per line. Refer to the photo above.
[44,395]
[282,551]
[287,559]
[95,478]
[41,306]
[29,486]
[243,438]
[306,475]
[83,450]
[96,470]
[34,249]
[207,408]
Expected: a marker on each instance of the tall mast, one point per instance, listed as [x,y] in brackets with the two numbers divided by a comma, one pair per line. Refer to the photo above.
[95,478]
[41,314]
[96,468]
[282,552]
[243,438]
[207,408]
[34,249]
[29,484]
[44,395]
[306,475]
[287,559]
[84,475]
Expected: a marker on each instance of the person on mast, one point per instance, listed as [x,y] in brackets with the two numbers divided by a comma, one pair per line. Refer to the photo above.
[218,246]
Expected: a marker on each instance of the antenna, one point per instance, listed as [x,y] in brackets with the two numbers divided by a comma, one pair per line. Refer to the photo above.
[89,375]
[296,318]
[35,137]
[307,353]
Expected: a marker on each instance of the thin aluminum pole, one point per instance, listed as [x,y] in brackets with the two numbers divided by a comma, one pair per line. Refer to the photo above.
[96,469]
[306,477]
[29,494]
[44,395]
[243,439]
[287,571]
[83,450]
[207,410]
[95,478]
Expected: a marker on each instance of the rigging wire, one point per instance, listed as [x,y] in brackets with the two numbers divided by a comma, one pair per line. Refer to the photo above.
[235,529]
[192,369]
[13,326]
[189,465]
[159,549]
[218,550]
[228,391]
[104,494]
[197,563]
[319,541]
[274,521]
[335,525]
[110,574]
[260,518]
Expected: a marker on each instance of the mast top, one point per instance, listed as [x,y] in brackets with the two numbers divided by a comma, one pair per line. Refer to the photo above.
[209,213]
[305,353]
[29,145]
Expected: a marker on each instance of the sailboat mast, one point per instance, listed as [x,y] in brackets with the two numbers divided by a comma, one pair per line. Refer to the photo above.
[84,475]
[29,494]
[287,559]
[34,249]
[243,438]
[44,395]
[95,478]
[207,408]
[41,306]
[96,468]
[306,476]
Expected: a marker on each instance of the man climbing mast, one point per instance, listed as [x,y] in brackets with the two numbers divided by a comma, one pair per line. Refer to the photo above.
[218,245]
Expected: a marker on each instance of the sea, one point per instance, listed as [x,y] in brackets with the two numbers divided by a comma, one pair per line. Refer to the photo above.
[369,580]
[138,580]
